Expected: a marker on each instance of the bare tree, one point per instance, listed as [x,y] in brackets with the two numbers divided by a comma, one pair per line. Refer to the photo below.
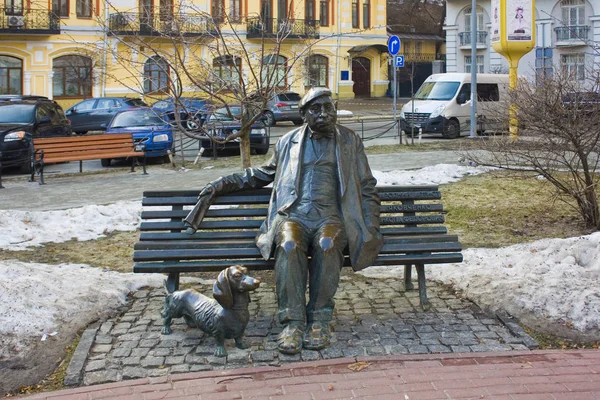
[559,140]
[203,54]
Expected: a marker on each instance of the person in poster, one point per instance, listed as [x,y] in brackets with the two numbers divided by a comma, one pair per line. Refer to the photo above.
[519,25]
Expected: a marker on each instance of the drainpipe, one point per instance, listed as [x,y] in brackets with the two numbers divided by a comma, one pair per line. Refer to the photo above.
[337,51]
[105,51]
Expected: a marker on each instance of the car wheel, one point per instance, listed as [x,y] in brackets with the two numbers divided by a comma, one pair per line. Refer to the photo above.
[269,118]
[26,167]
[451,130]
[261,150]
[105,162]
[81,132]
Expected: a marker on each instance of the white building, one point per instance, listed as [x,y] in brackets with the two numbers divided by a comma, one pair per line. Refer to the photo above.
[567,37]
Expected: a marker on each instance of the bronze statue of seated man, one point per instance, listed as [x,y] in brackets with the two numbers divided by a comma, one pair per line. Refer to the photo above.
[324,201]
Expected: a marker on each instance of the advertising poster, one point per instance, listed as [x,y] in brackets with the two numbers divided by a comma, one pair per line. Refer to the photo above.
[518,20]
[495,21]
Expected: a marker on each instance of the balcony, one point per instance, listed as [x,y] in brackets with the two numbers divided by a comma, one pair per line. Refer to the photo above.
[572,35]
[29,21]
[160,23]
[464,39]
[290,28]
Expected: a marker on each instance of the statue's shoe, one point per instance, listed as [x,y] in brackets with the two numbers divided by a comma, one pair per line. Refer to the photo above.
[290,340]
[317,336]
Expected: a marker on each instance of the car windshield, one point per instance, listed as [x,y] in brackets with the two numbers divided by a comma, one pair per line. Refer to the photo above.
[437,91]
[136,118]
[222,115]
[16,113]
[289,97]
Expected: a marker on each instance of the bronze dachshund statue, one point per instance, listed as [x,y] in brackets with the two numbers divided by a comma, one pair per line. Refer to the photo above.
[225,317]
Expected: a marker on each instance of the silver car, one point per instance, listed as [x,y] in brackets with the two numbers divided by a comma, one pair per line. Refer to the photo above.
[283,107]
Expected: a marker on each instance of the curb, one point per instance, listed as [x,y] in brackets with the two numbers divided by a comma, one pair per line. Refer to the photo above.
[75,369]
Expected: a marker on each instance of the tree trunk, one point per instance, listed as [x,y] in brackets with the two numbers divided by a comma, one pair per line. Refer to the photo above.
[245,150]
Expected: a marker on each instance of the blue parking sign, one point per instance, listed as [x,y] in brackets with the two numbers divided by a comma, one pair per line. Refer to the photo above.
[399,61]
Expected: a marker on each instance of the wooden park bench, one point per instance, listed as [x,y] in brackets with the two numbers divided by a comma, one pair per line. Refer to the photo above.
[411,222]
[80,148]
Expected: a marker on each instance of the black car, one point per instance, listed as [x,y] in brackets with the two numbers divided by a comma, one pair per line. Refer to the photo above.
[95,114]
[23,118]
[222,124]
[192,110]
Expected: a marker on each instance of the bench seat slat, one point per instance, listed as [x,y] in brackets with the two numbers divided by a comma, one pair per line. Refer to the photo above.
[144,236]
[211,213]
[260,264]
[189,253]
[91,156]
[75,139]
[250,242]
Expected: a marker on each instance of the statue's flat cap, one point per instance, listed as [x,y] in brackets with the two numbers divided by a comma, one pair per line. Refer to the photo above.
[312,94]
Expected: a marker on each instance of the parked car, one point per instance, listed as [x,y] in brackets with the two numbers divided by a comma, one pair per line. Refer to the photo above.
[95,114]
[283,107]
[23,118]
[584,102]
[222,123]
[147,128]
[192,110]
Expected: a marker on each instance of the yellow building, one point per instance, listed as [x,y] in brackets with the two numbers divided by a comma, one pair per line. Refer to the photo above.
[72,49]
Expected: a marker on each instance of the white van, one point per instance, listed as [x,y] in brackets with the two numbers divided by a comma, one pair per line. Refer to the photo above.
[442,104]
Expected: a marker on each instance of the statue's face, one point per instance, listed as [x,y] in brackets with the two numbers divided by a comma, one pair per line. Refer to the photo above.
[320,114]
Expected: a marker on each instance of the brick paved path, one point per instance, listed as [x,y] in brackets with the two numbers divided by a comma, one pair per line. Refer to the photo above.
[558,375]
[373,317]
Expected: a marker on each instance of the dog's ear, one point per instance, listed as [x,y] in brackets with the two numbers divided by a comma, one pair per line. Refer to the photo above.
[222,290]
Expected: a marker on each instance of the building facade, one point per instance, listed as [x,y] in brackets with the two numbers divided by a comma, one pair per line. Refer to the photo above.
[567,40]
[73,49]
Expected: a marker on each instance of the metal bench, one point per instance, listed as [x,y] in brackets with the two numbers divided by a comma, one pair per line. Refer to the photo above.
[79,148]
[411,222]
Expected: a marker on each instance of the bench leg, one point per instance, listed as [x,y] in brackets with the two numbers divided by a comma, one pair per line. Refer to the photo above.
[132,164]
[408,285]
[80,166]
[1,187]
[144,165]
[172,282]
[422,288]
[42,174]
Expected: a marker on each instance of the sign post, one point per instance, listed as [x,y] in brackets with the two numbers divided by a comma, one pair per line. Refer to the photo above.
[513,36]
[393,46]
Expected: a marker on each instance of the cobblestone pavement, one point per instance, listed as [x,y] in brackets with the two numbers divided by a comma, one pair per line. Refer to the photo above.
[374,317]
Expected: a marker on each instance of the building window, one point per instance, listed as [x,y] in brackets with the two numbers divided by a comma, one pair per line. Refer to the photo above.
[316,71]
[468,19]
[156,75]
[418,47]
[574,66]
[366,14]
[72,76]
[13,7]
[309,12]
[235,10]
[478,60]
[355,14]
[324,12]
[573,17]
[227,71]
[543,63]
[11,75]
[84,8]
[275,71]
[61,8]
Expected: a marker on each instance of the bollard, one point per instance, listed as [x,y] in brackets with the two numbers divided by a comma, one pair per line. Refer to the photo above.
[420,134]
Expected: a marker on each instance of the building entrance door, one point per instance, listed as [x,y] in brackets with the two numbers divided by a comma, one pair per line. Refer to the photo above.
[361,75]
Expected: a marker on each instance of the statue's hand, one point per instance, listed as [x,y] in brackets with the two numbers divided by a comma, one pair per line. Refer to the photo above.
[205,199]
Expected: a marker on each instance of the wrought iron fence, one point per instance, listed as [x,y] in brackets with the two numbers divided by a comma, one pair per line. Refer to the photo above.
[465,38]
[26,20]
[291,28]
[156,22]
[572,32]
